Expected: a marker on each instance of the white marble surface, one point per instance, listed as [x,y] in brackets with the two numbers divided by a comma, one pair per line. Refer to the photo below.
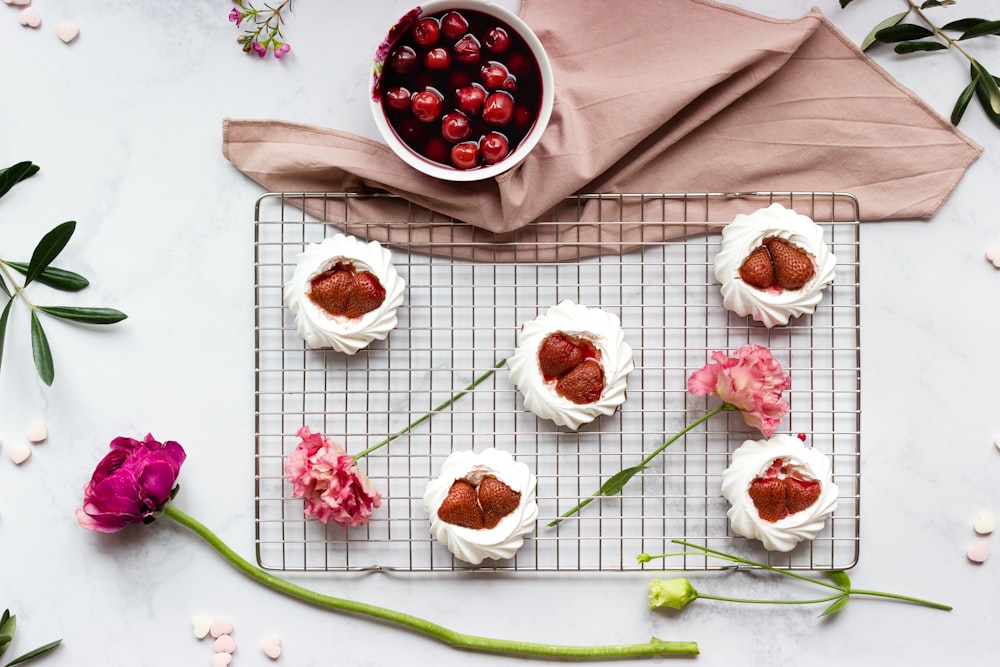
[125,123]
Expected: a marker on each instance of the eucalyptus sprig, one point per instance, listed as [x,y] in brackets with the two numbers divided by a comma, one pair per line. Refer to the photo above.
[39,269]
[928,36]
[678,593]
[8,624]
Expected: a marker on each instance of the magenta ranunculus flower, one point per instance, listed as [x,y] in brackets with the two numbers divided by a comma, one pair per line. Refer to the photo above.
[752,382]
[328,480]
[132,484]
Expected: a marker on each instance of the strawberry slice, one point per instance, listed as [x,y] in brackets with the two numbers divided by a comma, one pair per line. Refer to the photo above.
[461,507]
[366,294]
[792,266]
[768,496]
[497,500]
[331,289]
[584,384]
[801,493]
[757,269]
[559,353]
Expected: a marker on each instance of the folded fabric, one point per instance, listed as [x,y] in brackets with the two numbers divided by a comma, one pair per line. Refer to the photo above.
[694,96]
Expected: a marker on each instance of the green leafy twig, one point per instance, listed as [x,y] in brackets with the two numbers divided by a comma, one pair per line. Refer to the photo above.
[678,593]
[39,269]
[915,38]
[263,30]
[8,624]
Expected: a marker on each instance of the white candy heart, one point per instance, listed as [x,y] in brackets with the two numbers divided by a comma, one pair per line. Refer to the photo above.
[19,452]
[221,659]
[272,646]
[993,254]
[201,626]
[37,432]
[220,626]
[30,17]
[67,31]
[225,644]
[996,441]
[985,524]
[978,552]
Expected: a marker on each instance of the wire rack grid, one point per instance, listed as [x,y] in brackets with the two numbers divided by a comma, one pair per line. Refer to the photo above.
[460,319]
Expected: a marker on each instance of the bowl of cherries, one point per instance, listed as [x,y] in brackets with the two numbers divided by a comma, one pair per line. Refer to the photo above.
[461,89]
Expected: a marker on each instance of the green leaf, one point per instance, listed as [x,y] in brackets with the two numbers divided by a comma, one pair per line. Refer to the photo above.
[85,315]
[980,29]
[7,623]
[911,47]
[962,25]
[837,605]
[3,333]
[40,351]
[3,286]
[987,89]
[617,481]
[14,174]
[962,103]
[904,32]
[48,249]
[840,578]
[30,655]
[844,3]
[936,3]
[891,21]
[61,279]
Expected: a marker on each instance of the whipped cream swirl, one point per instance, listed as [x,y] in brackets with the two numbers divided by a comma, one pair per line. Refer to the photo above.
[601,329]
[320,329]
[474,545]
[773,306]
[750,461]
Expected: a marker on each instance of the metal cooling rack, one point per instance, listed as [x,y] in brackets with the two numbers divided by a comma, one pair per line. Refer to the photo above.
[461,316]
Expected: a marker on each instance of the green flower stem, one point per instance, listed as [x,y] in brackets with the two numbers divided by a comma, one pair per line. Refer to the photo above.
[621,478]
[430,414]
[18,289]
[721,598]
[445,635]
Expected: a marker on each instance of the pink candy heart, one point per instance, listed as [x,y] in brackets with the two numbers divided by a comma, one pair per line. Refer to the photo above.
[271,646]
[30,17]
[978,552]
[993,254]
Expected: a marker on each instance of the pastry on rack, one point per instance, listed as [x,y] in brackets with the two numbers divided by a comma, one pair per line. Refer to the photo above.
[571,364]
[773,265]
[344,293]
[780,491]
[482,505]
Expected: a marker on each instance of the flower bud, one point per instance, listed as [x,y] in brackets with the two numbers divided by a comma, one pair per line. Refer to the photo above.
[672,593]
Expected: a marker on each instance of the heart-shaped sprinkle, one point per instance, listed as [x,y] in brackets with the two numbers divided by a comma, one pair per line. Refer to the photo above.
[220,626]
[225,644]
[67,31]
[222,659]
[37,432]
[201,626]
[978,552]
[271,646]
[993,254]
[19,452]
[985,523]
[30,17]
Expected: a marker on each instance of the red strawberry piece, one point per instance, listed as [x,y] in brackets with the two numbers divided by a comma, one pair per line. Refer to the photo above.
[558,354]
[768,496]
[801,493]
[497,500]
[366,294]
[331,289]
[460,507]
[584,384]
[792,266]
[757,269]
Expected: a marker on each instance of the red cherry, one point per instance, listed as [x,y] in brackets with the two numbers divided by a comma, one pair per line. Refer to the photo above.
[467,50]
[496,40]
[437,58]
[397,98]
[403,60]
[493,147]
[426,105]
[465,155]
[498,108]
[437,149]
[454,25]
[524,118]
[469,99]
[455,126]
[411,131]
[493,75]
[426,32]
[509,84]
[519,64]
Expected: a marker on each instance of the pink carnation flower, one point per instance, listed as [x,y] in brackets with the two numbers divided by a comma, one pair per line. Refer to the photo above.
[326,477]
[752,382]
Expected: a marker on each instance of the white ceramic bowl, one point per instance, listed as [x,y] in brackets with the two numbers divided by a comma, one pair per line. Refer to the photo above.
[445,171]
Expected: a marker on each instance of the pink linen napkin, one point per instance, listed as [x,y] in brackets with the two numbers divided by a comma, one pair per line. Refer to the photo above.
[678,96]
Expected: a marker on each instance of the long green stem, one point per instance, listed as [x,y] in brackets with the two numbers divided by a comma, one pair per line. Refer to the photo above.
[427,416]
[442,634]
[18,289]
[618,480]
[721,598]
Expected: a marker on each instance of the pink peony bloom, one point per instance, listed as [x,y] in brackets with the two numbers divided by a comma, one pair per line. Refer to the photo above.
[131,484]
[752,382]
[326,477]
